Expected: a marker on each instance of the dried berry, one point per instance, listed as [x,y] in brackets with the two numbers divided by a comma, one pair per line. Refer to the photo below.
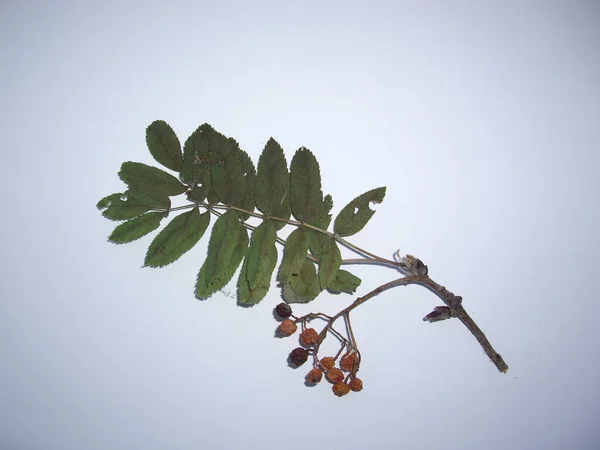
[283,310]
[340,389]
[314,376]
[328,362]
[348,361]
[298,356]
[288,327]
[335,375]
[356,384]
[309,337]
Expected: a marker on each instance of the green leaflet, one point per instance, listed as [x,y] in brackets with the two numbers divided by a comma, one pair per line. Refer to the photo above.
[272,182]
[322,221]
[325,248]
[227,171]
[205,286]
[355,215]
[132,203]
[179,236]
[344,282]
[247,200]
[324,218]
[248,296]
[223,240]
[294,254]
[306,197]
[136,228]
[262,254]
[304,286]
[196,160]
[164,145]
[197,194]
[150,179]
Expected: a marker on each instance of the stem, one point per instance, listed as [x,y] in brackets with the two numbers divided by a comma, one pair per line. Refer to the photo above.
[454,302]
[297,223]
[451,300]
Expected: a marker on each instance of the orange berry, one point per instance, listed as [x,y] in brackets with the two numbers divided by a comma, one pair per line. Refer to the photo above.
[348,361]
[335,375]
[314,376]
[356,384]
[340,389]
[288,327]
[328,362]
[309,337]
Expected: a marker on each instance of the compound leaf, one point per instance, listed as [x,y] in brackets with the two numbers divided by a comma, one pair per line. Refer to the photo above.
[262,254]
[344,282]
[136,228]
[355,215]
[306,197]
[294,254]
[178,237]
[164,145]
[150,179]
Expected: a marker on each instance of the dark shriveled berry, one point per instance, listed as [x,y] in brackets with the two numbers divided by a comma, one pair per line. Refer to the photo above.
[298,356]
[283,310]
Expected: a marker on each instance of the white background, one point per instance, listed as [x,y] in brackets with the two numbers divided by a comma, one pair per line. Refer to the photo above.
[481,118]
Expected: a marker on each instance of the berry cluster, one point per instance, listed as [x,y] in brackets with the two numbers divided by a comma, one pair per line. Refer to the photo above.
[343,378]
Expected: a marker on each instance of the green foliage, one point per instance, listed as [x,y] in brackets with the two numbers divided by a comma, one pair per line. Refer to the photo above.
[344,282]
[271,193]
[150,179]
[256,273]
[218,177]
[294,255]
[355,215]
[304,285]
[132,203]
[226,248]
[262,254]
[136,228]
[179,236]
[306,197]
[326,250]
[246,202]
[164,145]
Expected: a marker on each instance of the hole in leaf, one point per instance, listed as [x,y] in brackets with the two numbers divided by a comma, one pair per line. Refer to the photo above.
[372,205]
